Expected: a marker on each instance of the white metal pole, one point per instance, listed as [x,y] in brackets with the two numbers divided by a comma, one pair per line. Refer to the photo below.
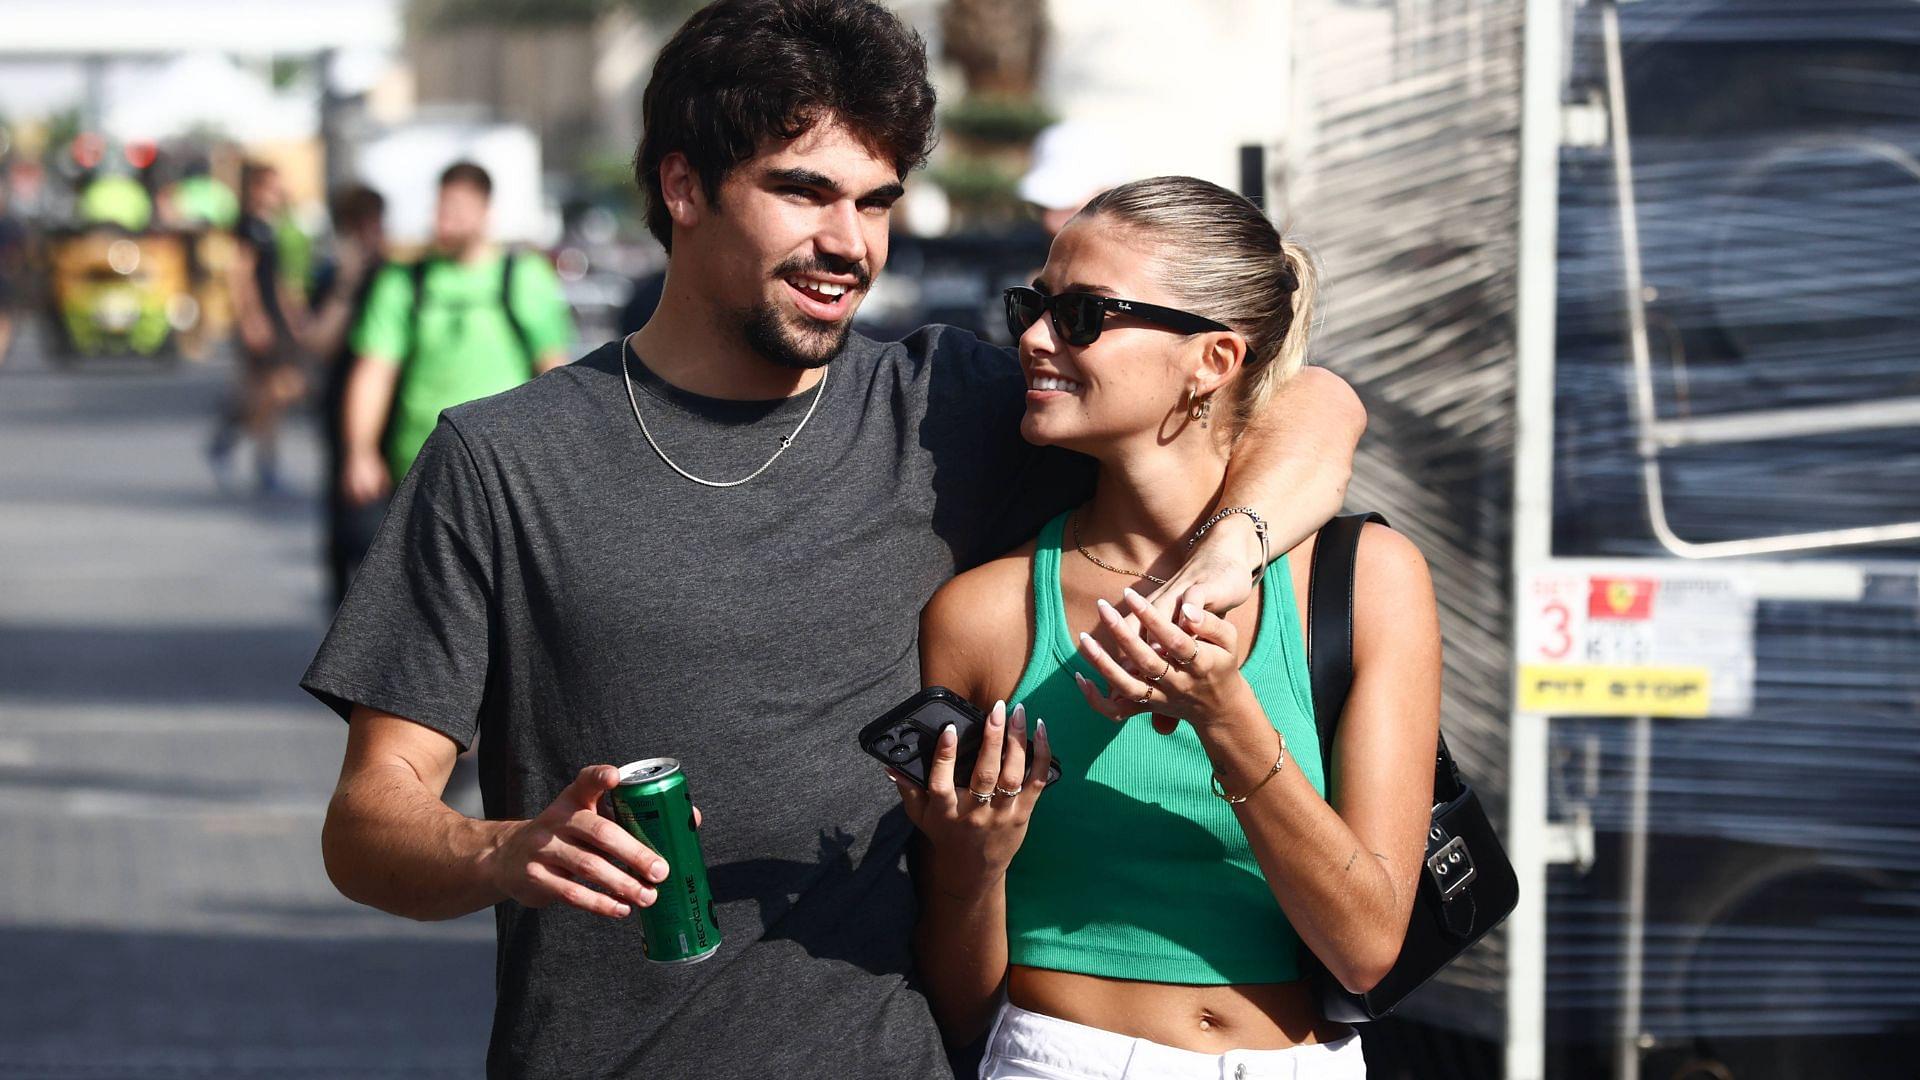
[1540,138]
[1626,1059]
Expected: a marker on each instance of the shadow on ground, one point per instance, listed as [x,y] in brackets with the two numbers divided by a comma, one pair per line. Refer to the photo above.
[149,665]
[138,1005]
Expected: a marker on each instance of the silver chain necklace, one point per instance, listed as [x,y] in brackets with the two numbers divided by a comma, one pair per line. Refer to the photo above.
[626,375]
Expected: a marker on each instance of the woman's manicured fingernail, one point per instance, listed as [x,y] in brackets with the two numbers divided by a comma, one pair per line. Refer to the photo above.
[1040,730]
[1104,606]
[999,714]
[949,735]
[1191,612]
[1133,596]
[1020,719]
[1086,638]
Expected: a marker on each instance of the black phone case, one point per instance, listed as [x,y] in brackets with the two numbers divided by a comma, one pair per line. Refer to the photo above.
[904,736]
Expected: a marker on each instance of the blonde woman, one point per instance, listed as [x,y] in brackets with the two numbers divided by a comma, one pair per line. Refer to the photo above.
[1145,915]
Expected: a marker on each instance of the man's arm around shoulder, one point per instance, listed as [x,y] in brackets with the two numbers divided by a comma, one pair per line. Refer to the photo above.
[1294,461]
[1291,467]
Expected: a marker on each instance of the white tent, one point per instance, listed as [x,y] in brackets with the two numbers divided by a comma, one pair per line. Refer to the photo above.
[66,28]
[205,90]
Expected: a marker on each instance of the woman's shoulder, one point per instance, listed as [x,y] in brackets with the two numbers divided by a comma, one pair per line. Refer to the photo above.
[983,596]
[1386,558]
[1391,582]
[975,633]
[1389,562]
[1393,602]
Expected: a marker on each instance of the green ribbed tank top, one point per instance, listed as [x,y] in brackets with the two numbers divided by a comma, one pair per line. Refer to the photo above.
[1132,868]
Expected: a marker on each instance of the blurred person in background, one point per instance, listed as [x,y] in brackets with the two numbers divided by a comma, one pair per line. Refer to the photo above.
[340,297]
[271,319]
[1145,916]
[199,199]
[1072,162]
[712,540]
[13,266]
[467,320]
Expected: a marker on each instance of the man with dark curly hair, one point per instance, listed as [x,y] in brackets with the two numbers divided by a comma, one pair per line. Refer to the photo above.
[711,541]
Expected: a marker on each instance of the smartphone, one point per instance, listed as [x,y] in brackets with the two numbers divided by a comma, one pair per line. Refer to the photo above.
[904,738]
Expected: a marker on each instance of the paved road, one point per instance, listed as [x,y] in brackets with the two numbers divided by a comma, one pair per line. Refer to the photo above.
[163,909]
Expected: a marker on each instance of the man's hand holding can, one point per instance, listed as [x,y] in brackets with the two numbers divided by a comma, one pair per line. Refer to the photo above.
[556,857]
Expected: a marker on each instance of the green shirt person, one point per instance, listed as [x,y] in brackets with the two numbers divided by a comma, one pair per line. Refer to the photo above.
[448,341]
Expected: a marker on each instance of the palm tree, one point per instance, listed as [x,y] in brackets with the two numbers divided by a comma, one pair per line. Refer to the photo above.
[998,46]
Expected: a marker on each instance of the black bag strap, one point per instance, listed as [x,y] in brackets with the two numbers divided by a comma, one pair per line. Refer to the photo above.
[1330,622]
[1330,584]
[417,273]
[513,317]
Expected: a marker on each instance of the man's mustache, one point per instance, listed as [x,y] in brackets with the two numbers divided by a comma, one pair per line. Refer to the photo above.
[798,267]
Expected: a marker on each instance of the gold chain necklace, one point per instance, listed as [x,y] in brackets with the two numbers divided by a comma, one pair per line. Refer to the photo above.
[1095,559]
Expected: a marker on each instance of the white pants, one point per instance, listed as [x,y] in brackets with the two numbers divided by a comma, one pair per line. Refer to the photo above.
[1029,1046]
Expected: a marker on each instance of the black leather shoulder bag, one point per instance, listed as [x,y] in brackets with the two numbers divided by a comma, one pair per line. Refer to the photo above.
[1466,886]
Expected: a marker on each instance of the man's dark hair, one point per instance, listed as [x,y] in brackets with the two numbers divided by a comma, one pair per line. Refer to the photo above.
[466,172]
[356,206]
[742,72]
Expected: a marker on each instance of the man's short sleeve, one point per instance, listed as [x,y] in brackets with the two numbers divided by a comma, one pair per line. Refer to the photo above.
[1053,481]
[386,327]
[976,399]
[413,636]
[540,308]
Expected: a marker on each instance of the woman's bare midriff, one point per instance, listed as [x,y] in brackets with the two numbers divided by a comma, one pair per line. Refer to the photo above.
[1204,1019]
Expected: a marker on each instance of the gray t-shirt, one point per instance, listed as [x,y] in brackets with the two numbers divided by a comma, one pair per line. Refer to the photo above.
[545,582]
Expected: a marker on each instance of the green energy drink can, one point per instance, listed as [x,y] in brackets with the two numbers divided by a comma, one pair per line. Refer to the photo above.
[652,803]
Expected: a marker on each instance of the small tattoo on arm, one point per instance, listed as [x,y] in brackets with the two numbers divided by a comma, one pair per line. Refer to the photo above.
[1350,858]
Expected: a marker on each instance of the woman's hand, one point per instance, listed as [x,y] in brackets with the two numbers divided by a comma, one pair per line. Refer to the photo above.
[974,838]
[1189,669]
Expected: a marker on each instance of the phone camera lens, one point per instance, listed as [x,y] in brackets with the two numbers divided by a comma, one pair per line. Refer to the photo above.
[902,746]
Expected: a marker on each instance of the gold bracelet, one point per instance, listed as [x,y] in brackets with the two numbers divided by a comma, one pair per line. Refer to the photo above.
[1280,762]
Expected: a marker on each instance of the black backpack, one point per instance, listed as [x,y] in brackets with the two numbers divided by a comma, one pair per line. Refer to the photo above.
[418,274]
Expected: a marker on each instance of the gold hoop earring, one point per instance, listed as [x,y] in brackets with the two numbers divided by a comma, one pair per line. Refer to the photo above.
[1200,408]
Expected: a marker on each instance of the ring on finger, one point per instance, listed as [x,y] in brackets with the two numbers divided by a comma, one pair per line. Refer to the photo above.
[1163,672]
[982,799]
[1183,661]
[1007,793]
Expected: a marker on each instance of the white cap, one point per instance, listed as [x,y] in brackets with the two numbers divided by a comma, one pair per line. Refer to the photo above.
[1072,162]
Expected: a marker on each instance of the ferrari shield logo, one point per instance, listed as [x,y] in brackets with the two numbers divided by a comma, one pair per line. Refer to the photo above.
[1620,598]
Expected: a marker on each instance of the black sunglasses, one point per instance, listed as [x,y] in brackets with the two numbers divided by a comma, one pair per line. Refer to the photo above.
[1078,317]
